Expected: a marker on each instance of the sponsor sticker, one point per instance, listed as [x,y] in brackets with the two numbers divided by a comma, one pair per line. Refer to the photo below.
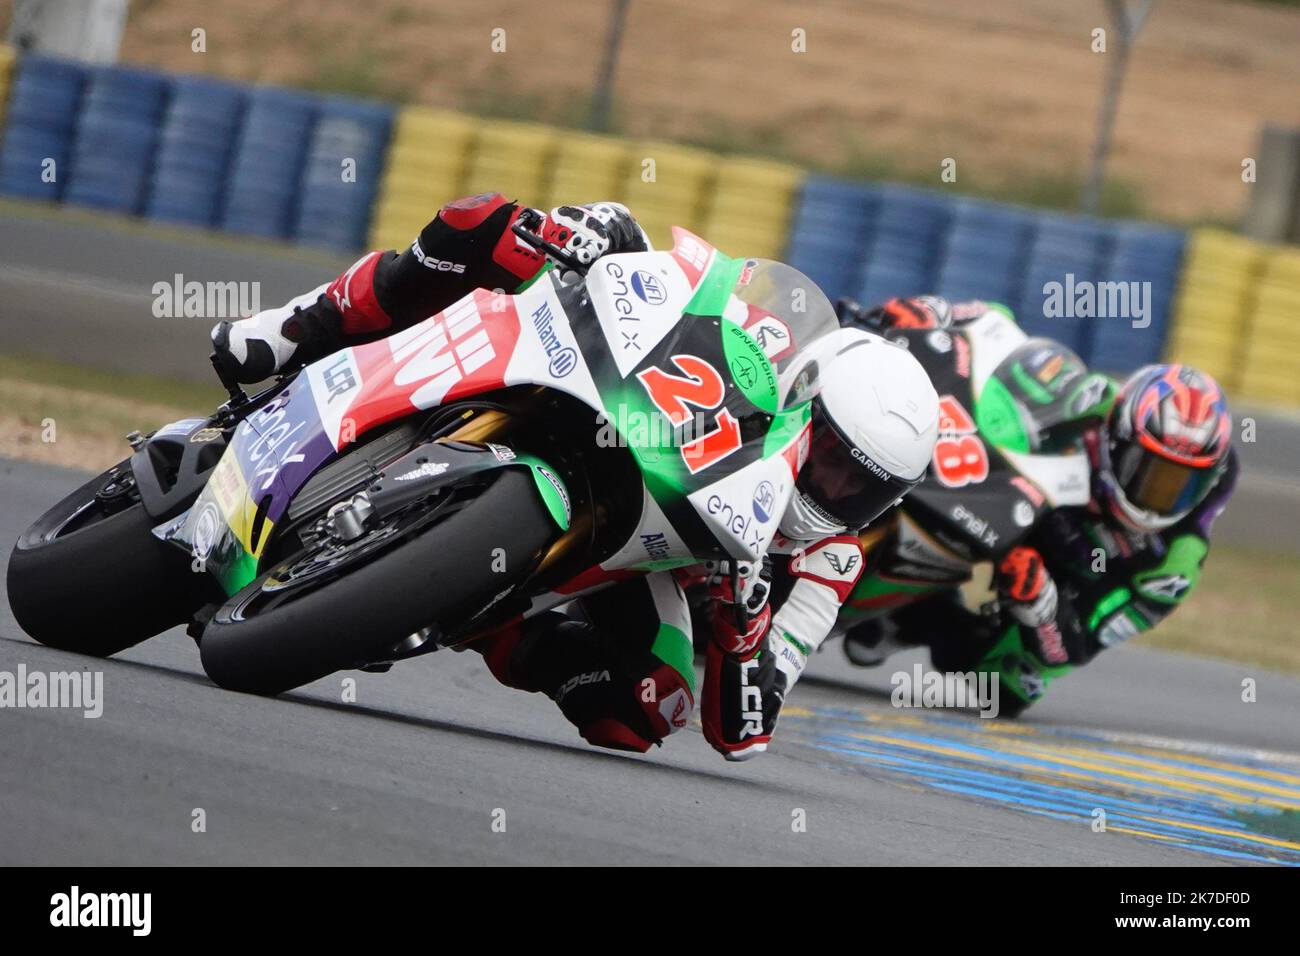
[656,545]
[649,288]
[430,469]
[207,528]
[1023,514]
[563,358]
[182,427]
[743,526]
[559,489]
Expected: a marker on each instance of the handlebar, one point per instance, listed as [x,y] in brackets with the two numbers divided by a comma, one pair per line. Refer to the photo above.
[534,239]
[741,616]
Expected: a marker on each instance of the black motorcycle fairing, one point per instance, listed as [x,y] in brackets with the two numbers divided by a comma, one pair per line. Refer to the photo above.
[174,463]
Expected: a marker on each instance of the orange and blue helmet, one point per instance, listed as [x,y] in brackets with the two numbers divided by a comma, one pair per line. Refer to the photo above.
[1170,433]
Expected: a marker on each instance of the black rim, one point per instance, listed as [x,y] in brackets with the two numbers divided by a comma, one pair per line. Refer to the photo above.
[116,492]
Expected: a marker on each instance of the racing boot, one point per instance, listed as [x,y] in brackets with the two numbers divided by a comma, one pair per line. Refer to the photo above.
[257,347]
[616,700]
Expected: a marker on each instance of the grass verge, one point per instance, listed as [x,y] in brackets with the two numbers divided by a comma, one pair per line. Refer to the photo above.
[1242,609]
[62,414]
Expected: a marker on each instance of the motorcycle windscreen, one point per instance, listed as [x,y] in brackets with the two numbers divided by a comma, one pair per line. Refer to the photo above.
[1041,399]
[784,311]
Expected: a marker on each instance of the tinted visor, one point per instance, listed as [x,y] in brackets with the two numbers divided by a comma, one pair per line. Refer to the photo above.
[845,483]
[1163,487]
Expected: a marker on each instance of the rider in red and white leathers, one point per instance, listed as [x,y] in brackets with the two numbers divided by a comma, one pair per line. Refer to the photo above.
[620,664]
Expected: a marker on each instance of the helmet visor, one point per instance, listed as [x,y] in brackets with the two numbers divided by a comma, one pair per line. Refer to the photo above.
[1159,485]
[843,481]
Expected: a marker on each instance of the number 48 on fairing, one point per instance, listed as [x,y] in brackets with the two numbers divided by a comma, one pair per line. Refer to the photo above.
[960,457]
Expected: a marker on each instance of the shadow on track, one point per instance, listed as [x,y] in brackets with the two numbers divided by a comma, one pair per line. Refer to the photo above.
[429,723]
[483,733]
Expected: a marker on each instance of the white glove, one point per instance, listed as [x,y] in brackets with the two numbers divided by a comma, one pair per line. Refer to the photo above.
[591,231]
[1040,611]
[755,582]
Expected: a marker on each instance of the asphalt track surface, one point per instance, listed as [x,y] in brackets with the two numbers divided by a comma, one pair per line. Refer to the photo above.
[432,758]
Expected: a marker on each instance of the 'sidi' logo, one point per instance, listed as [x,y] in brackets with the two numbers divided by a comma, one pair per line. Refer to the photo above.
[648,288]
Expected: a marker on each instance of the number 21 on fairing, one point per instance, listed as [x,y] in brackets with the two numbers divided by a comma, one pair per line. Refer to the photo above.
[700,386]
[960,457]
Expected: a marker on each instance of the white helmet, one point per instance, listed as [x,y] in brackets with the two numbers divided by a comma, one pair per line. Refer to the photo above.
[875,419]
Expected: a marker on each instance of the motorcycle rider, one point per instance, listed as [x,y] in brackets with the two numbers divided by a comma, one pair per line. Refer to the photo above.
[620,664]
[1089,577]
[469,245]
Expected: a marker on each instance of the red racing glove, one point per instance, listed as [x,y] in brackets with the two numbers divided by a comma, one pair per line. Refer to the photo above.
[741,614]
[1029,594]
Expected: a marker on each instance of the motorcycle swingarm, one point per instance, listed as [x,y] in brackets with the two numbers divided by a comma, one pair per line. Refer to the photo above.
[421,472]
[438,464]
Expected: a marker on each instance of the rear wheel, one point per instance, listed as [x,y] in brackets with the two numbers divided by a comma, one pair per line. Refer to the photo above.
[89,576]
[338,606]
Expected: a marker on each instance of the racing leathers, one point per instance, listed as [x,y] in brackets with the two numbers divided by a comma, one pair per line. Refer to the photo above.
[469,245]
[750,669]
[1077,583]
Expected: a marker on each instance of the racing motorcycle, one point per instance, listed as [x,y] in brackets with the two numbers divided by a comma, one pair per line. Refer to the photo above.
[1009,451]
[503,456]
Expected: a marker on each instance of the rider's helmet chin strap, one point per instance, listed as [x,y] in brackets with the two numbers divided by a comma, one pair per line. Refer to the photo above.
[804,521]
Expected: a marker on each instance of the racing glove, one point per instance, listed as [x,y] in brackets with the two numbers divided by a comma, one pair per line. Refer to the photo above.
[743,688]
[593,230]
[740,613]
[1030,597]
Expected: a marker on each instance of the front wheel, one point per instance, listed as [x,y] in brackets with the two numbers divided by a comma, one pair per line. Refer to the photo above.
[89,576]
[336,607]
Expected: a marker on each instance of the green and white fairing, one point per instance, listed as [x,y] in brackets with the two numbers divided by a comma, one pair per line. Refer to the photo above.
[692,369]
[678,355]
